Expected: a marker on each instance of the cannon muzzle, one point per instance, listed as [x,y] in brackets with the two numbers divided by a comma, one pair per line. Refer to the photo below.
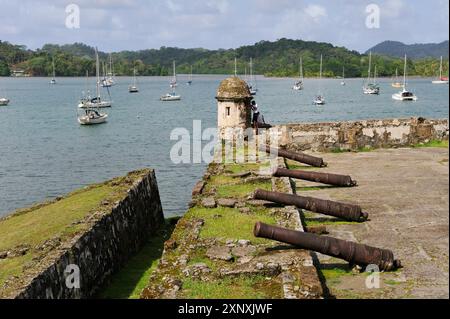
[324,178]
[298,157]
[354,253]
[340,210]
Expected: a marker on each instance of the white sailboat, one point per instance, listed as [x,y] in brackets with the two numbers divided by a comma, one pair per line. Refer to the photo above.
[3,100]
[442,79]
[396,83]
[343,83]
[298,86]
[109,81]
[53,80]
[87,102]
[371,88]
[133,87]
[252,85]
[190,80]
[404,95]
[92,117]
[173,96]
[320,100]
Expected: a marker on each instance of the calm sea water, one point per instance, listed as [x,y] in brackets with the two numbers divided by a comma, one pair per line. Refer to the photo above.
[45,153]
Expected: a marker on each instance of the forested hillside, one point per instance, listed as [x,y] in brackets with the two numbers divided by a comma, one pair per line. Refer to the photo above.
[279,58]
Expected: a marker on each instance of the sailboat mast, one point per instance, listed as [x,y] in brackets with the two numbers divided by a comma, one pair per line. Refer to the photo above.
[321,65]
[54,73]
[235,66]
[97,70]
[370,66]
[404,75]
[174,72]
[301,69]
[251,71]
[440,69]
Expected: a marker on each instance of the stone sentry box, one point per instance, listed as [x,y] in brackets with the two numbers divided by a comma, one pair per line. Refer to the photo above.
[234,110]
[105,247]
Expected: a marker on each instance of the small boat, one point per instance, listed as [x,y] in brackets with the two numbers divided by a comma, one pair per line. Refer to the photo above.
[404,95]
[133,87]
[396,84]
[298,86]
[53,80]
[441,79]
[320,100]
[4,101]
[343,77]
[170,97]
[371,88]
[92,117]
[252,85]
[108,80]
[189,82]
[87,102]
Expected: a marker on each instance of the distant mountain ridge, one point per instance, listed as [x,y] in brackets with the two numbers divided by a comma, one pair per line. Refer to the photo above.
[414,51]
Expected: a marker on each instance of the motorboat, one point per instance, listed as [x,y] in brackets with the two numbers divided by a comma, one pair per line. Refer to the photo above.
[319,100]
[405,95]
[4,101]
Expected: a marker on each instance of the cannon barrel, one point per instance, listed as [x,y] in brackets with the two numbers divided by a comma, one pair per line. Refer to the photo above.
[298,157]
[354,253]
[324,178]
[344,211]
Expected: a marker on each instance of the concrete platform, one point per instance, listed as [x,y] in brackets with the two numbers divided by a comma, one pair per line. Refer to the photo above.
[406,193]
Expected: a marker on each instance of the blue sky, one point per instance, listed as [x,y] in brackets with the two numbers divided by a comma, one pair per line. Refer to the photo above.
[115,25]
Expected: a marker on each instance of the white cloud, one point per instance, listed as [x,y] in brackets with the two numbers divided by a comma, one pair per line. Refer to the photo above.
[316,12]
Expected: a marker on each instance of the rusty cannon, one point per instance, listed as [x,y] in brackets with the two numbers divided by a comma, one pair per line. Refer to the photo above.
[354,253]
[344,211]
[324,178]
[298,157]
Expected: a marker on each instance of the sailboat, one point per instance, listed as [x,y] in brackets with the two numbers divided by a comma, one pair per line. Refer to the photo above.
[189,82]
[169,97]
[404,95]
[3,101]
[133,87]
[91,116]
[343,77]
[87,102]
[108,80]
[298,86]
[371,88]
[320,100]
[53,80]
[441,80]
[174,82]
[252,85]
[397,84]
